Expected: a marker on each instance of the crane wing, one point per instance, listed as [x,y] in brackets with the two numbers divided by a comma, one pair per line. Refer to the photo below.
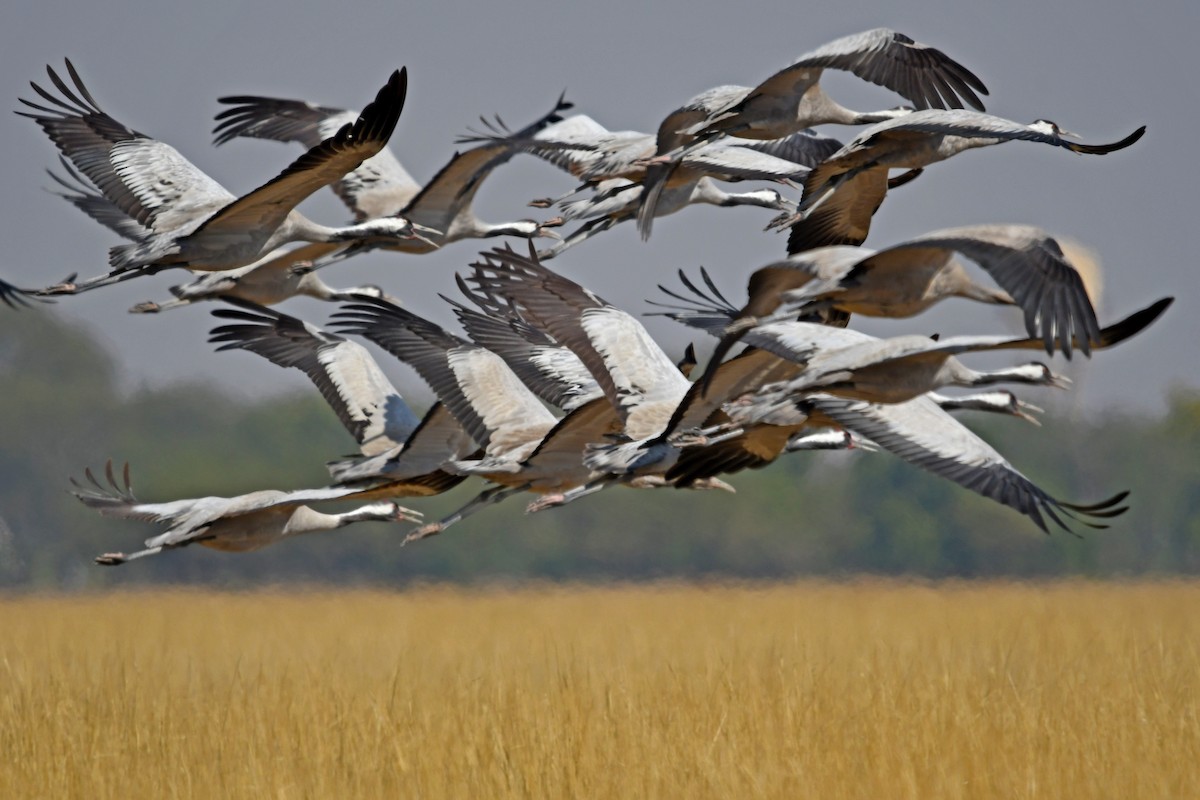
[268,205]
[922,434]
[925,76]
[365,401]
[146,179]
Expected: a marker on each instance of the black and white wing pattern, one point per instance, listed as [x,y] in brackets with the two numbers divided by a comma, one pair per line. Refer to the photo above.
[365,401]
[148,180]
[639,379]
[76,190]
[552,371]
[923,434]
[1026,262]
[478,388]
[328,162]
[923,75]
[380,186]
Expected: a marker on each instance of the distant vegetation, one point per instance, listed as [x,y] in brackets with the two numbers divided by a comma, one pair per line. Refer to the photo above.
[61,409]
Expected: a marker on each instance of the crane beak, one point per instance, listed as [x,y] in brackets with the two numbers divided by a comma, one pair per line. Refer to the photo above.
[543,229]
[860,443]
[1026,411]
[402,514]
[419,229]
[1058,381]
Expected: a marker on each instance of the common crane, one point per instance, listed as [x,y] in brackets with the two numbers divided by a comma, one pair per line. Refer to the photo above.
[907,278]
[853,180]
[760,444]
[380,188]
[792,99]
[918,431]
[783,160]
[903,367]
[525,448]
[277,276]
[614,165]
[551,371]
[235,524]
[401,456]
[638,379]
[194,222]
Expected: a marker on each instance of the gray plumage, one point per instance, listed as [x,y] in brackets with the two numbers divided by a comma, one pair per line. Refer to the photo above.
[857,366]
[525,447]
[854,179]
[792,98]
[551,371]
[192,221]
[401,455]
[238,524]
[637,377]
[921,433]
[365,401]
[380,187]
[909,277]
[918,431]
[279,275]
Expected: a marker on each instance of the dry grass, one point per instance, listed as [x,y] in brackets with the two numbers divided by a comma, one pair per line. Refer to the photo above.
[811,690]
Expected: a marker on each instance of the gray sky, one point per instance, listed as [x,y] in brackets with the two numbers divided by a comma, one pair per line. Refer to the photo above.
[1098,69]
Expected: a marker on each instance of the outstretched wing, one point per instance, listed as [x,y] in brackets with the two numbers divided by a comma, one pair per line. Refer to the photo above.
[636,375]
[925,76]
[268,205]
[146,179]
[379,187]
[922,434]
[365,401]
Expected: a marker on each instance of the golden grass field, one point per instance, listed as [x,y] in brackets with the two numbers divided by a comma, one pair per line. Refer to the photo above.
[811,690]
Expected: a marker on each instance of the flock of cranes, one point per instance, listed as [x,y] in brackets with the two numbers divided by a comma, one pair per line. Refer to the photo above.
[554,391]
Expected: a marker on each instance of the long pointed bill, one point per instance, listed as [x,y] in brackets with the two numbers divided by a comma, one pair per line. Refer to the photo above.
[419,229]
[403,514]
[1026,411]
[1028,418]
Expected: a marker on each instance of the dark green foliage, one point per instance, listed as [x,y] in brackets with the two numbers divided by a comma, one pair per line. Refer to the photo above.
[830,514]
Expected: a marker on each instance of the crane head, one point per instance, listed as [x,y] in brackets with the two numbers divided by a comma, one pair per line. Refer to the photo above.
[1052,128]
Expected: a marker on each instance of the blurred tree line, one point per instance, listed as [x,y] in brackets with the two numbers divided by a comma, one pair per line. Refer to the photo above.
[61,409]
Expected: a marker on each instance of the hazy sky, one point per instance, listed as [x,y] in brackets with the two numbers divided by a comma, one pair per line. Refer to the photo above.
[1097,69]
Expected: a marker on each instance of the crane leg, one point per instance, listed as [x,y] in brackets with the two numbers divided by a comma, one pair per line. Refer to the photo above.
[113,559]
[151,307]
[485,498]
[581,234]
[570,496]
